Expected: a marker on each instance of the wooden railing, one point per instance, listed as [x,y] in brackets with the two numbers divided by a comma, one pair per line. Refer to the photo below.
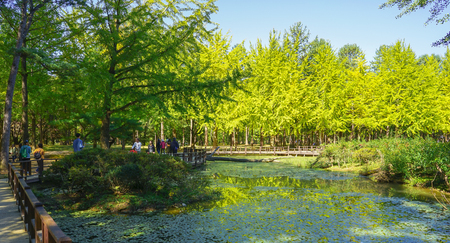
[27,168]
[196,157]
[37,222]
[286,150]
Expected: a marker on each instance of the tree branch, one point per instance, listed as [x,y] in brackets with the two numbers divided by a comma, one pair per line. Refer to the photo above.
[133,87]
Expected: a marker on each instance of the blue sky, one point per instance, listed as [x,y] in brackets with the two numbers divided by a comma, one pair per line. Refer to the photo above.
[340,22]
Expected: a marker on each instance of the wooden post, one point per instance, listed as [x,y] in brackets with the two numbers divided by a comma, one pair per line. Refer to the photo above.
[274,150]
[195,159]
[288,150]
[246,150]
[260,150]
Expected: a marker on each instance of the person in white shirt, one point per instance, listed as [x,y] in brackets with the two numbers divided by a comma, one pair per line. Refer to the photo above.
[137,145]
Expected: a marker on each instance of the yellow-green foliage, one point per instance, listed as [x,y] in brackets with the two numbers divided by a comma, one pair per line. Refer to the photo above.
[365,155]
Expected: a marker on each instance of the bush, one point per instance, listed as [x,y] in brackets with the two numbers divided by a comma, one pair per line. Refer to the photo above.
[125,177]
[413,159]
[96,170]
[365,155]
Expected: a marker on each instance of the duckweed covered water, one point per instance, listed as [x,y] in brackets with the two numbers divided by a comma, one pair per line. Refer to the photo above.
[276,202]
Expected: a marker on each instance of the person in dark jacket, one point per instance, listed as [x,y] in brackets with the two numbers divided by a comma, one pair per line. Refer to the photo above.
[151,148]
[174,146]
[158,146]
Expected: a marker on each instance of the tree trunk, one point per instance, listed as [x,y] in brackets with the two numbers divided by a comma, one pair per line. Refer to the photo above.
[234,138]
[183,138]
[215,132]
[261,137]
[25,135]
[191,134]
[206,136]
[104,138]
[251,138]
[162,129]
[6,129]
[41,130]
[145,133]
[33,128]
[246,135]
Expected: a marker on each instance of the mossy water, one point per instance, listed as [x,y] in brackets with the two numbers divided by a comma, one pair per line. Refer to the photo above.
[278,202]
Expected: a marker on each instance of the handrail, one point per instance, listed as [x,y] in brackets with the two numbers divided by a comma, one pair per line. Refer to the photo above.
[195,157]
[39,225]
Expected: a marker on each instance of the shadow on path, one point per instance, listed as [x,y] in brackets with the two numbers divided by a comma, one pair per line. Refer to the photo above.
[11,225]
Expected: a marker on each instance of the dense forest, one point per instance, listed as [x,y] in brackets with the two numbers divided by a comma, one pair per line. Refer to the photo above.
[113,70]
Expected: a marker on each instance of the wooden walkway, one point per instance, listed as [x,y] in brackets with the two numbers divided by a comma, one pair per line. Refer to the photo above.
[11,224]
[275,151]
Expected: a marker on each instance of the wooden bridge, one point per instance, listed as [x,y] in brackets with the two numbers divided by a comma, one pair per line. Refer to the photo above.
[276,151]
[39,225]
[195,157]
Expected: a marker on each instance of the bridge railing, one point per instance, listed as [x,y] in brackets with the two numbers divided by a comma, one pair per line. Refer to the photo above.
[195,157]
[286,150]
[39,225]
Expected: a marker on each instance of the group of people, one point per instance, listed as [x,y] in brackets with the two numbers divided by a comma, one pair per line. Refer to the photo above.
[23,153]
[161,146]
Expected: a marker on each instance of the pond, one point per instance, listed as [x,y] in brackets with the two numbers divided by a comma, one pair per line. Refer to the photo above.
[278,202]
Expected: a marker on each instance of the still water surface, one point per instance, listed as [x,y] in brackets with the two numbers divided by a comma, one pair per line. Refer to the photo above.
[277,202]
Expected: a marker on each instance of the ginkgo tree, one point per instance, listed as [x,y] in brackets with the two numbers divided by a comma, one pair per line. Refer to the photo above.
[134,53]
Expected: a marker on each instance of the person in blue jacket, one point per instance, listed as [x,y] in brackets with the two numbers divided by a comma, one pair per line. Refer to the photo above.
[25,152]
[174,146]
[77,143]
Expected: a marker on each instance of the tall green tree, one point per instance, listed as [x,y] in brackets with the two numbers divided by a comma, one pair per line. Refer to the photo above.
[140,52]
[349,54]
[27,10]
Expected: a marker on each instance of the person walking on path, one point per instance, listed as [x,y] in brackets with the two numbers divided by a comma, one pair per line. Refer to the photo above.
[151,148]
[168,151]
[158,146]
[39,156]
[163,147]
[137,145]
[14,152]
[174,146]
[25,152]
[77,143]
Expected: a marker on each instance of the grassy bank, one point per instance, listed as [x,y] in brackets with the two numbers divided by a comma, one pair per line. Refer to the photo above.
[419,162]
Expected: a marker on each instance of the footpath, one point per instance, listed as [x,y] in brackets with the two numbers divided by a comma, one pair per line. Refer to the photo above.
[11,225]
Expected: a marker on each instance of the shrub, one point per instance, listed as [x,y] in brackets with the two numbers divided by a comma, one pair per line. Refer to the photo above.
[365,155]
[115,171]
[125,177]
[413,159]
